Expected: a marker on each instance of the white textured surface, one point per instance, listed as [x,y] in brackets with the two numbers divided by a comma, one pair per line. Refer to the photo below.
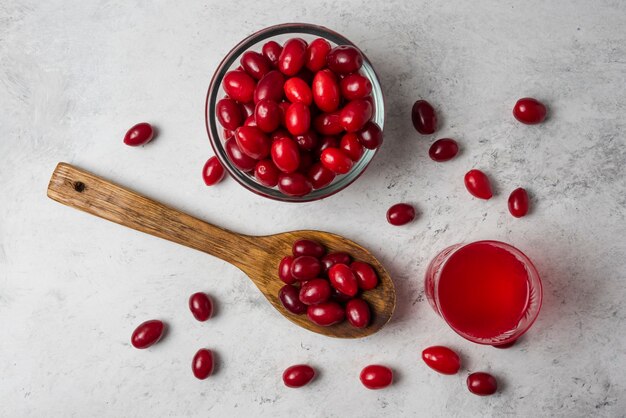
[74,77]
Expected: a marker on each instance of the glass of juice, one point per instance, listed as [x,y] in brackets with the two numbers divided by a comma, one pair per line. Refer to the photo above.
[489,292]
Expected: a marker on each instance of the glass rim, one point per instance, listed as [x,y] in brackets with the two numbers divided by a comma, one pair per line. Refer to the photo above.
[213,126]
[533,310]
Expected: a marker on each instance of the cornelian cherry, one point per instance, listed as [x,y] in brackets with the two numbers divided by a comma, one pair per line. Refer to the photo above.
[284,270]
[477,183]
[326,314]
[320,176]
[442,359]
[271,50]
[351,146]
[424,117]
[229,114]
[202,364]
[316,54]
[289,297]
[294,184]
[147,334]
[255,64]
[365,274]
[315,291]
[201,306]
[285,155]
[336,160]
[443,149]
[371,136]
[376,376]
[343,279]
[355,86]
[212,172]
[344,59]
[298,91]
[400,214]
[266,173]
[358,313]
[308,247]
[326,93]
[239,86]
[139,134]
[298,375]
[292,57]
[518,202]
[482,384]
[529,111]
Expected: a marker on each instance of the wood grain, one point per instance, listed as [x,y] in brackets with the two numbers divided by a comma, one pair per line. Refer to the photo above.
[257,256]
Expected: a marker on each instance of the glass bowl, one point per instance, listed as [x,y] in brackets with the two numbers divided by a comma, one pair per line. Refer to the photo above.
[280,33]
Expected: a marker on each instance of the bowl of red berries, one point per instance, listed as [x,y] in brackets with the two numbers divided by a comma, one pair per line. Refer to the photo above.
[295,112]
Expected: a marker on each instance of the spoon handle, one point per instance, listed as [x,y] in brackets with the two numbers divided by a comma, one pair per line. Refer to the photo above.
[85,191]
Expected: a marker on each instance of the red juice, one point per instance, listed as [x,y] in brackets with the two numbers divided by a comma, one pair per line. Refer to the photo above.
[484,291]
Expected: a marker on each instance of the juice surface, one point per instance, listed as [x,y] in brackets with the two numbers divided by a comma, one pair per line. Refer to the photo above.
[483,290]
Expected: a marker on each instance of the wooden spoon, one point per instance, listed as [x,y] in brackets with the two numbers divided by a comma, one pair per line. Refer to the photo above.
[256,256]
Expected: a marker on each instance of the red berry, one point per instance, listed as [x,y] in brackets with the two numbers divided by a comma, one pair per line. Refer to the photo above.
[202,364]
[316,54]
[331,259]
[442,359]
[400,214]
[201,306]
[298,375]
[308,247]
[307,141]
[343,279]
[212,172]
[358,313]
[365,275]
[294,184]
[482,384]
[305,267]
[298,91]
[326,314]
[326,93]
[253,142]
[289,297]
[270,87]
[255,64]
[355,86]
[424,117]
[266,173]
[344,59]
[284,270]
[518,202]
[298,118]
[529,111]
[285,155]
[147,333]
[328,123]
[443,149]
[229,114]
[315,291]
[320,176]
[292,57]
[238,158]
[267,115]
[271,50]
[139,134]
[376,376]
[336,160]
[371,136]
[355,115]
[477,183]
[351,146]
[239,86]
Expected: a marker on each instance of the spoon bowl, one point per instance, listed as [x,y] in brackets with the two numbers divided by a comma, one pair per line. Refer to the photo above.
[257,256]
